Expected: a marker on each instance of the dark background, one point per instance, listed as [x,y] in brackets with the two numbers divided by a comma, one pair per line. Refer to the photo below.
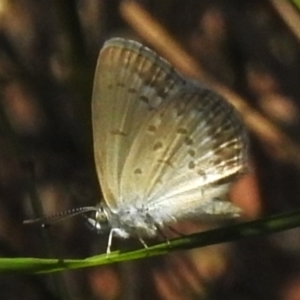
[48,52]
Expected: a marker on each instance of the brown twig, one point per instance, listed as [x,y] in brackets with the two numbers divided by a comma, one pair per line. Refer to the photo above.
[153,32]
[289,15]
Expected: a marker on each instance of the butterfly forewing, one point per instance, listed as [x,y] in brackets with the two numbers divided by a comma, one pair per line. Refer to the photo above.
[129,84]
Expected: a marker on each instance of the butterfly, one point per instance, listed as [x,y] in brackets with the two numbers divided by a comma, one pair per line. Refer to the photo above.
[166,148]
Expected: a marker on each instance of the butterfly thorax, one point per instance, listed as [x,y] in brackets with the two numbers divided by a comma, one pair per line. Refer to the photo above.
[125,222]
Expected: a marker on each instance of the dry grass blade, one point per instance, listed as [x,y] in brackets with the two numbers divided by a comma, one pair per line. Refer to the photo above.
[289,15]
[151,31]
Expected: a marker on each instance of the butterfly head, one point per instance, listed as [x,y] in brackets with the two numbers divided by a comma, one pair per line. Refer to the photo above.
[100,220]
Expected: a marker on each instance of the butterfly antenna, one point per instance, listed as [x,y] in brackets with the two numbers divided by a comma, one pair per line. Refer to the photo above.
[61,216]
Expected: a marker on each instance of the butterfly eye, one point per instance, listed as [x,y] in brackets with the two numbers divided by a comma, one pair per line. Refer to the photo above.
[100,221]
[102,215]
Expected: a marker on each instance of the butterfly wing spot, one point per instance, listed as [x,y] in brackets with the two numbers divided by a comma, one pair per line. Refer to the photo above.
[201,173]
[121,84]
[191,165]
[156,122]
[188,141]
[182,130]
[217,161]
[109,86]
[154,102]
[166,162]
[132,91]
[118,132]
[144,99]
[191,152]
[157,146]
[138,171]
[180,112]
[151,128]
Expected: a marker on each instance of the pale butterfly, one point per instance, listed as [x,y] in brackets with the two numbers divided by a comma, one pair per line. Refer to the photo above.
[166,148]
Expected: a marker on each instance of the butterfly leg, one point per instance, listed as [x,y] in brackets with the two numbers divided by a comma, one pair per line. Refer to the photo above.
[176,231]
[143,242]
[109,242]
[161,233]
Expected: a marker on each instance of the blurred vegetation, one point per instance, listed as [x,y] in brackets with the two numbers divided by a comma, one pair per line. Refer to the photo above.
[48,50]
